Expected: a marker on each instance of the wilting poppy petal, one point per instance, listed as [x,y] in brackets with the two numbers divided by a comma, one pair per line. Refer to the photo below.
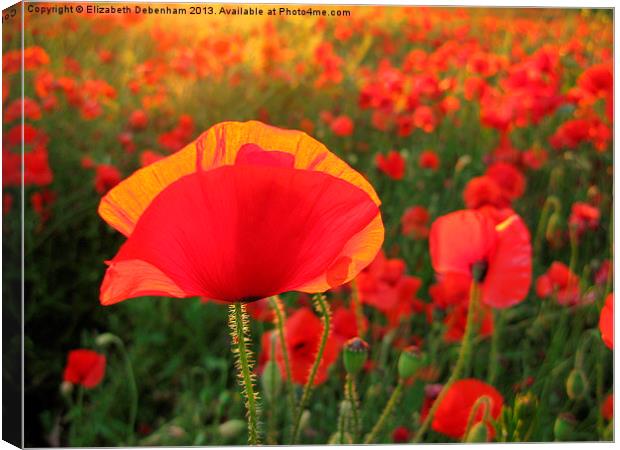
[244,232]
[216,147]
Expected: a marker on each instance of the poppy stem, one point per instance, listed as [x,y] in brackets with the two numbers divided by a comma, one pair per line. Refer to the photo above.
[278,310]
[485,403]
[464,354]
[351,395]
[240,332]
[323,309]
[389,406]
[357,308]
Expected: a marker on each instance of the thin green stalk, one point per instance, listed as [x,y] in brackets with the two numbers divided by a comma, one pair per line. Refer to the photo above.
[357,309]
[389,406]
[323,309]
[351,395]
[278,310]
[464,354]
[495,341]
[483,401]
[240,333]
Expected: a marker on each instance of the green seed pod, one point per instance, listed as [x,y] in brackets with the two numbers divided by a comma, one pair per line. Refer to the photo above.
[271,381]
[563,427]
[232,428]
[410,361]
[354,355]
[576,385]
[478,433]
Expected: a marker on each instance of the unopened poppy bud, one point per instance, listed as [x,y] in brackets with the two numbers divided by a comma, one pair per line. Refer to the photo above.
[305,419]
[525,405]
[576,384]
[461,163]
[410,361]
[66,388]
[232,428]
[271,381]
[551,226]
[563,427]
[355,355]
[478,433]
[105,339]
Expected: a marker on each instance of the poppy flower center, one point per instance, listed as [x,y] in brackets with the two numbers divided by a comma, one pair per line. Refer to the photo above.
[479,271]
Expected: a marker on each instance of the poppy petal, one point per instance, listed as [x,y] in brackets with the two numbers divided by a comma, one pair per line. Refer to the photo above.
[218,146]
[256,227]
[509,274]
[460,239]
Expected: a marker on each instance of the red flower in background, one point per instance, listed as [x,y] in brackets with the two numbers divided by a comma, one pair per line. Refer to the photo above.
[509,179]
[456,321]
[149,157]
[476,245]
[32,111]
[584,217]
[453,412]
[606,322]
[400,435]
[85,367]
[245,212]
[481,191]
[607,408]
[303,332]
[342,126]
[429,160]
[414,222]
[138,120]
[393,165]
[561,282]
[345,325]
[106,177]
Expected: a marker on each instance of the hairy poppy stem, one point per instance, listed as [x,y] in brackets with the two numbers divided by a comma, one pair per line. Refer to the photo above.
[278,310]
[351,395]
[357,308]
[389,406]
[240,333]
[464,354]
[321,306]
[485,403]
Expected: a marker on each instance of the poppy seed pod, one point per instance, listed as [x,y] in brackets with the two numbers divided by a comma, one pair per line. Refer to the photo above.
[576,384]
[410,361]
[563,427]
[478,433]
[355,355]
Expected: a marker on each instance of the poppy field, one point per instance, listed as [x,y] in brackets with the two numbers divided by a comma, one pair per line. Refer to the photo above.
[325,225]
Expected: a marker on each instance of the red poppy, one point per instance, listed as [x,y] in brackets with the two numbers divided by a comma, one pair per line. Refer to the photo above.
[246,211]
[149,157]
[345,327]
[303,332]
[456,321]
[342,126]
[509,179]
[393,165]
[85,367]
[106,177]
[451,289]
[481,191]
[475,245]
[400,435]
[453,412]
[584,217]
[606,322]
[607,408]
[32,111]
[138,120]
[429,160]
[561,282]
[414,222]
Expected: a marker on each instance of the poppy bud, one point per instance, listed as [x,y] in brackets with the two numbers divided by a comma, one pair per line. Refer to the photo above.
[551,226]
[232,428]
[305,419]
[355,355]
[576,384]
[66,388]
[271,381]
[563,427]
[478,433]
[461,163]
[105,339]
[410,361]
[525,405]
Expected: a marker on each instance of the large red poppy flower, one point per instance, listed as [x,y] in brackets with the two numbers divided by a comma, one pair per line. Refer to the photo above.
[487,246]
[453,412]
[606,322]
[85,367]
[244,212]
